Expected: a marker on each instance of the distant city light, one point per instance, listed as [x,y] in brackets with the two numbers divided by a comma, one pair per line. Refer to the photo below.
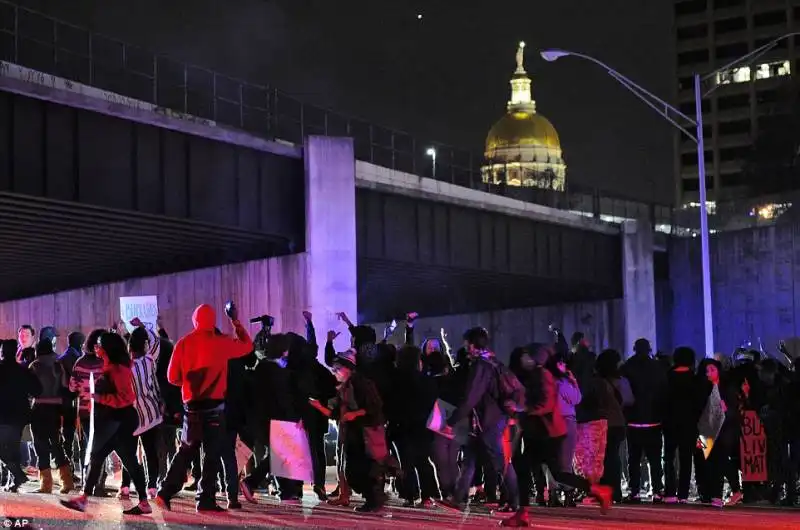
[419,17]
[768,212]
[431,151]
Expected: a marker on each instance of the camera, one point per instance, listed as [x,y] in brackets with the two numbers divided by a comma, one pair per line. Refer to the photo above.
[266,321]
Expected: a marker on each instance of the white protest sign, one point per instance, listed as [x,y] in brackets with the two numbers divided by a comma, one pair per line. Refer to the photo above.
[289,454]
[145,308]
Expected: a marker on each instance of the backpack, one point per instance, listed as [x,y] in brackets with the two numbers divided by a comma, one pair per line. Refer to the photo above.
[511,390]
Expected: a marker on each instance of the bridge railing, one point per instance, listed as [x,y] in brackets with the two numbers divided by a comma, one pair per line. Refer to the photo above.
[43,43]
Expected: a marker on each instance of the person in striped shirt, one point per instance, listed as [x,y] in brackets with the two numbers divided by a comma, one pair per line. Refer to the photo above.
[87,364]
[145,347]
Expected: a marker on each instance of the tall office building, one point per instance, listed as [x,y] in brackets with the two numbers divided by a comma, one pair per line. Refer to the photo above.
[710,34]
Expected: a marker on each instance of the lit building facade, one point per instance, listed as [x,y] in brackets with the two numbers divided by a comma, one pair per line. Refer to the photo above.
[523,148]
[710,34]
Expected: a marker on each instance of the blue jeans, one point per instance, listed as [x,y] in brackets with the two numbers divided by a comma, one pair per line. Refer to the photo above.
[492,444]
[202,425]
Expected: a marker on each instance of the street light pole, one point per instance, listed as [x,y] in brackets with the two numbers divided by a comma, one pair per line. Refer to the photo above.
[705,248]
[667,111]
[431,152]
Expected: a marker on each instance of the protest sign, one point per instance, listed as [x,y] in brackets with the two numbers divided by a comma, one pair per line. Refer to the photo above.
[289,454]
[753,445]
[145,308]
[437,421]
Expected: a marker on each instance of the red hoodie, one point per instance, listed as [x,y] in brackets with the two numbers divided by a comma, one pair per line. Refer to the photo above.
[199,363]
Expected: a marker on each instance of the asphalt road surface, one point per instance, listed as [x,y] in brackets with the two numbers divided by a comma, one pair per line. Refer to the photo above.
[44,511]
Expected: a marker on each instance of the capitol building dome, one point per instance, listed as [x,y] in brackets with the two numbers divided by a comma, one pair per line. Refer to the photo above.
[523,148]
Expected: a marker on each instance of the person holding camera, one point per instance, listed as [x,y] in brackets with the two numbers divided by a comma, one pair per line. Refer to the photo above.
[199,365]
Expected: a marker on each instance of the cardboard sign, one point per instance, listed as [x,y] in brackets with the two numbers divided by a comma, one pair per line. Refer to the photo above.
[289,453]
[437,420]
[753,445]
[145,308]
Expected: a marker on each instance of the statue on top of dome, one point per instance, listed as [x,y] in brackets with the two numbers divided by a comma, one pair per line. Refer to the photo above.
[521,58]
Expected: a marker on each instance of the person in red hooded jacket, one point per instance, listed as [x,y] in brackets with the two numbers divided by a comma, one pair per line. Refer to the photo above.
[199,366]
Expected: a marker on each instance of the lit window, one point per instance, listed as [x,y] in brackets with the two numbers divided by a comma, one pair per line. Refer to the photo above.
[734,75]
[776,69]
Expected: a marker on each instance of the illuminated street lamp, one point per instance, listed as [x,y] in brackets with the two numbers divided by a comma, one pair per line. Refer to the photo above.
[431,152]
[667,111]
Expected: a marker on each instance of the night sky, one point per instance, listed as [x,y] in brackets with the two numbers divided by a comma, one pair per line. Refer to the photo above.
[444,77]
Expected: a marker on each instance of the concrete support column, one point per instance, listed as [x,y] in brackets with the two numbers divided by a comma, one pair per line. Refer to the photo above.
[638,283]
[331,275]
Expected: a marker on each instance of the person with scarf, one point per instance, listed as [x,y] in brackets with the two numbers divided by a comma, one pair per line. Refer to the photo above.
[145,347]
[88,365]
[46,418]
[489,418]
[199,365]
[115,420]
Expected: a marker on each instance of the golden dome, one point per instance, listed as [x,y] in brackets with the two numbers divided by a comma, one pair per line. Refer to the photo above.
[522,128]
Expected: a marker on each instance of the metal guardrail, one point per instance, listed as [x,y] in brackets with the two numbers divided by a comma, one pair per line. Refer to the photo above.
[43,43]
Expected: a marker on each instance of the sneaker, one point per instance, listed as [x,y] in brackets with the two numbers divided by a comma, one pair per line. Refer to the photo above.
[369,508]
[124,493]
[717,503]
[341,500]
[670,500]
[408,504]
[657,499]
[735,499]
[603,495]
[78,504]
[518,520]
[234,505]
[143,508]
[152,493]
[427,504]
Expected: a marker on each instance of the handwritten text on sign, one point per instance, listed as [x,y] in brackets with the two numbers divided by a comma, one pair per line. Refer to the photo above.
[753,444]
[145,308]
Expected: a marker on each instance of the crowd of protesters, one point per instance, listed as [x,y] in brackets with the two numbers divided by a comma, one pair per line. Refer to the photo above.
[557,425]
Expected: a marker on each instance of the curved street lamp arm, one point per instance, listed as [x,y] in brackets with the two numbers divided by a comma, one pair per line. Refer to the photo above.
[649,102]
[640,92]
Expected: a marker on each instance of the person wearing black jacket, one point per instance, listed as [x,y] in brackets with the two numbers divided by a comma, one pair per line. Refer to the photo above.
[414,440]
[680,425]
[173,408]
[320,385]
[277,397]
[483,405]
[645,418]
[17,386]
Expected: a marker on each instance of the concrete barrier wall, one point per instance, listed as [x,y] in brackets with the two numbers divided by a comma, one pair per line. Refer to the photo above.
[276,286]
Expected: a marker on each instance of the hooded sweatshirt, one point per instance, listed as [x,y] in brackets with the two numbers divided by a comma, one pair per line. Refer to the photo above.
[199,363]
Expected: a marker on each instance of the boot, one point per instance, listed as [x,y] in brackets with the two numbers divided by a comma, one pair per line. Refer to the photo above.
[45,481]
[67,484]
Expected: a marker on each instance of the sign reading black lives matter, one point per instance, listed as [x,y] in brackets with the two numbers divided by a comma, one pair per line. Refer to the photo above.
[753,445]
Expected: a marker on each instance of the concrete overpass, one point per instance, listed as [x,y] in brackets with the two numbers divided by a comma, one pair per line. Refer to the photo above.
[102,188]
